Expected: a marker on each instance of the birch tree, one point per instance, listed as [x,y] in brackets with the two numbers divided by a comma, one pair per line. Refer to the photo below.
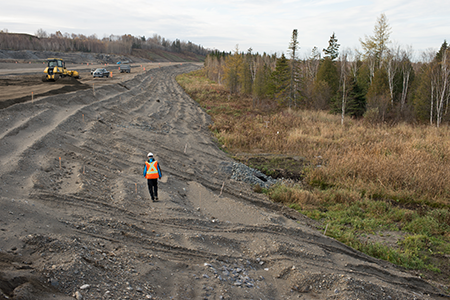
[391,64]
[343,78]
[442,84]
[407,69]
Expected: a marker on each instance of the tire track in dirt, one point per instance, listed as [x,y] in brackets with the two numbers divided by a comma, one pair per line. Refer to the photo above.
[90,220]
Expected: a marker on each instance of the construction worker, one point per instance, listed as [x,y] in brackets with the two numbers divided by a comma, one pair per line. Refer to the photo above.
[152,172]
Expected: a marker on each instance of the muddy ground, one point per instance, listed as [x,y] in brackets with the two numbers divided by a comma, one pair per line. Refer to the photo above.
[76,219]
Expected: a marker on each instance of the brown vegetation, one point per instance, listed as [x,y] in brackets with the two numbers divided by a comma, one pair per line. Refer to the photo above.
[359,178]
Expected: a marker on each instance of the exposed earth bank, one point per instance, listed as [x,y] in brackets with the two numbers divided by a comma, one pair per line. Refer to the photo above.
[77,221]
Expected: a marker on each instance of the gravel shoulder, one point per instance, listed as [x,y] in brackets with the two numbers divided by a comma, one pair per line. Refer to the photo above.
[77,220]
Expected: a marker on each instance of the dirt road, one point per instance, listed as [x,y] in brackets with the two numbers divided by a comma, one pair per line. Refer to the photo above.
[77,220]
[20,82]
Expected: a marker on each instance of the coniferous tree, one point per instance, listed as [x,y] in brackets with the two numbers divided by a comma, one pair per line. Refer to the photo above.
[378,98]
[332,51]
[356,103]
[280,81]
[440,54]
[245,77]
[262,83]
[328,72]
[421,97]
[378,43]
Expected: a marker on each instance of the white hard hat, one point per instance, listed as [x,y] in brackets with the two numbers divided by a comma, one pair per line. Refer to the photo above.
[149,154]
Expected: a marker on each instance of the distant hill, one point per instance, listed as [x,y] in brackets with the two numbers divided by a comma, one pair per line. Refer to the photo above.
[18,46]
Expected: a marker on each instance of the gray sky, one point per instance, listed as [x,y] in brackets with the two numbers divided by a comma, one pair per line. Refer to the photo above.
[263,25]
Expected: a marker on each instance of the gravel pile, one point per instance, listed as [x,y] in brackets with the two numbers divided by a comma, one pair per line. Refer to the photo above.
[241,172]
[234,275]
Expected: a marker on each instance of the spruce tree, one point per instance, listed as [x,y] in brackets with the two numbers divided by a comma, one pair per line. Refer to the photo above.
[328,72]
[281,77]
[444,47]
[356,103]
[332,51]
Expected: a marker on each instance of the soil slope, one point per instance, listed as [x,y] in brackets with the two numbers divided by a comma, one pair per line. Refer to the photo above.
[77,219]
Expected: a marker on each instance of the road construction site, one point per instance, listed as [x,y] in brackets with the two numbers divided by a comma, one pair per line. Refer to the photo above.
[77,220]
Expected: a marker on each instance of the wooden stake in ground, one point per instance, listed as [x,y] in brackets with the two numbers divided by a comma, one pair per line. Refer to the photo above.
[60,163]
[135,187]
[83,117]
[93,88]
[32,97]
[221,190]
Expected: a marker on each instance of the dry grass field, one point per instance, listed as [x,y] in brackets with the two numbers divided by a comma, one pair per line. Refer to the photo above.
[384,190]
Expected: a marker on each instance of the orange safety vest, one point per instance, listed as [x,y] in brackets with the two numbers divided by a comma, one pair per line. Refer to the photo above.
[152,170]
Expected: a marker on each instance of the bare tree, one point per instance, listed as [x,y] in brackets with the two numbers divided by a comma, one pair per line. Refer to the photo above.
[354,57]
[293,47]
[313,62]
[40,33]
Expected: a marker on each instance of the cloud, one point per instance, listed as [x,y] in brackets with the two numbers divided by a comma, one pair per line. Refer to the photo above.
[264,25]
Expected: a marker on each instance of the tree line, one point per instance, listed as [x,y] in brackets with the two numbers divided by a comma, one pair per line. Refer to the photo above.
[379,82]
[113,44]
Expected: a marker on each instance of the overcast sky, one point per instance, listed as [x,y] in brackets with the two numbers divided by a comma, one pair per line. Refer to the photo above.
[263,25]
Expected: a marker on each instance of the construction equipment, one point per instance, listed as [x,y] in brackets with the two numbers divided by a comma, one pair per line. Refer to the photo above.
[56,68]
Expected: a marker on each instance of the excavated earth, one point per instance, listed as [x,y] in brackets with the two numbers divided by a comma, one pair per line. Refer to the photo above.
[76,219]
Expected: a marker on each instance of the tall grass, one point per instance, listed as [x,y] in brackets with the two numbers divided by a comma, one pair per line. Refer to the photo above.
[406,163]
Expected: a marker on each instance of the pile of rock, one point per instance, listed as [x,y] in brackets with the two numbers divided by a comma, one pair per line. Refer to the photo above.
[241,172]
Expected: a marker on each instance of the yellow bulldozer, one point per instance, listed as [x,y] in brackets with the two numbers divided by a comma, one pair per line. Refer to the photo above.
[56,68]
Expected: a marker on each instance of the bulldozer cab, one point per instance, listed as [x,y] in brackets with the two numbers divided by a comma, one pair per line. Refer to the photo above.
[55,62]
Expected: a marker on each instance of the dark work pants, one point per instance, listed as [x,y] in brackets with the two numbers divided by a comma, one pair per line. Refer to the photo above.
[153,188]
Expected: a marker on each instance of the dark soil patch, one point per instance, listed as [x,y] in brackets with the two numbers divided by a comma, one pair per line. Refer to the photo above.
[19,281]
[276,166]
[68,84]
[36,80]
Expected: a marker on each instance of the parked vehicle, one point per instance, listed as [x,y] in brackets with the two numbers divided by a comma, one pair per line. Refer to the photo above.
[101,73]
[125,69]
